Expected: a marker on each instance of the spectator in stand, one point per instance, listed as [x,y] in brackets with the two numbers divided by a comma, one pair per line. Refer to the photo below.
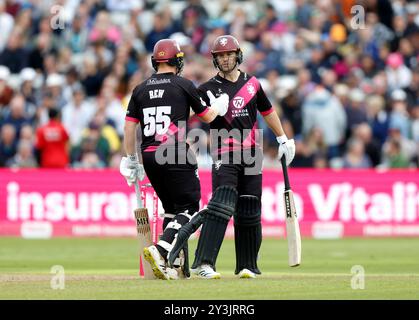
[415,123]
[383,8]
[394,156]
[303,13]
[24,22]
[52,142]
[161,30]
[14,56]
[31,94]
[197,6]
[408,52]
[412,91]
[412,28]
[104,31]
[27,133]
[399,76]
[408,148]
[305,84]
[38,53]
[368,67]
[6,25]
[328,79]
[399,116]
[378,118]
[296,59]
[363,133]
[355,157]
[341,91]
[24,158]
[6,92]
[107,130]
[292,110]
[8,143]
[112,104]
[317,63]
[91,77]
[355,110]
[76,36]
[55,85]
[89,160]
[77,114]
[93,142]
[310,150]
[192,26]
[324,111]
[16,115]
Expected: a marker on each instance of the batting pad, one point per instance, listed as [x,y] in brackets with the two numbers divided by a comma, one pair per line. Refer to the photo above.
[247,233]
[220,209]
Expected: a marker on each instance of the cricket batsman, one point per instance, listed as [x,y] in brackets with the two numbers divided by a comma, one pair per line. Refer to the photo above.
[159,105]
[236,191]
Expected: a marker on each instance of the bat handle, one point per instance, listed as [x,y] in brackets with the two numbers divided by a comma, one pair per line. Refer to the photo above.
[138,194]
[285,173]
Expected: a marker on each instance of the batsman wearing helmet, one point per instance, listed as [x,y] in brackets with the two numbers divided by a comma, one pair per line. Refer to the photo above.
[236,190]
[160,105]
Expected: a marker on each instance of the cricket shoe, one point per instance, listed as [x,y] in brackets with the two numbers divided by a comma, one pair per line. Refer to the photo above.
[206,272]
[158,265]
[247,274]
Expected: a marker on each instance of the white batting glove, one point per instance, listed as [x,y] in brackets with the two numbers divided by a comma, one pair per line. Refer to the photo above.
[131,169]
[220,104]
[286,148]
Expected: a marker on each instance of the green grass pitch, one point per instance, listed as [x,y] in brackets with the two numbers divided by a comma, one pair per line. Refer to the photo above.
[108,269]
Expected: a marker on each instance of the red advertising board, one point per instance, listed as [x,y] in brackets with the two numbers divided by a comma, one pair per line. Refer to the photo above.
[330,204]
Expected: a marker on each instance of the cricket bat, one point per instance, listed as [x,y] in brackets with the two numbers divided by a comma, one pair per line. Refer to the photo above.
[291,221]
[143,232]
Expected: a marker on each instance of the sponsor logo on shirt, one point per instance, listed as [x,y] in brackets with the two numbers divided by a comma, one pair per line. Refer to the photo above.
[238,102]
[152,82]
[240,113]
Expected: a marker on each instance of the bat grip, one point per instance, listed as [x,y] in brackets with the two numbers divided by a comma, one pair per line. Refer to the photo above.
[138,194]
[285,173]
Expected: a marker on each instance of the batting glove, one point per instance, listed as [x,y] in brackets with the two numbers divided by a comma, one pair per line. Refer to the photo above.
[286,148]
[131,169]
[220,104]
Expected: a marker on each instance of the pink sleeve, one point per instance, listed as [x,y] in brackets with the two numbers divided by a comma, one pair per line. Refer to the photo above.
[265,113]
[132,119]
[203,113]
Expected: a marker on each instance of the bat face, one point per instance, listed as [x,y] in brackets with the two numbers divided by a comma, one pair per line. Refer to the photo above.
[143,223]
[293,230]
[144,239]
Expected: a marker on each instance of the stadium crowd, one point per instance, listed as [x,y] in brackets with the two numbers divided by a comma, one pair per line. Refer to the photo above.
[342,74]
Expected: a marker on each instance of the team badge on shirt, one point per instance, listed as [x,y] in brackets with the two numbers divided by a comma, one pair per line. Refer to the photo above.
[251,89]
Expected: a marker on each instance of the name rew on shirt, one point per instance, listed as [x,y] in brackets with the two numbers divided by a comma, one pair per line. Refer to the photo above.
[158,93]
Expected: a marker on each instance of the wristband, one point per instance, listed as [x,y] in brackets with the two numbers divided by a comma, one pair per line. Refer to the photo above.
[282,139]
